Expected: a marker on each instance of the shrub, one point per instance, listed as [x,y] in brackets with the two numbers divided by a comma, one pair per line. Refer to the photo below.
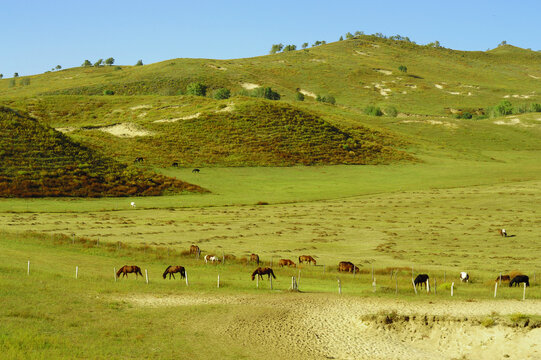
[108,92]
[503,108]
[488,322]
[110,61]
[266,93]
[16,75]
[305,45]
[221,94]
[464,115]
[535,107]
[87,63]
[391,111]
[275,48]
[299,96]
[139,63]
[403,68]
[521,109]
[373,110]
[98,63]
[326,99]
[118,68]
[349,36]
[196,88]
[290,48]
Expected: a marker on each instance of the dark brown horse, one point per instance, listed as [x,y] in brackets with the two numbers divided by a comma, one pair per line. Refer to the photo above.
[126,269]
[263,271]
[254,258]
[504,278]
[286,262]
[194,249]
[347,267]
[171,270]
[306,258]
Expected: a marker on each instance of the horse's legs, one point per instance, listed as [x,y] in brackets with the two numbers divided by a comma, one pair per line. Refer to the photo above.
[171,274]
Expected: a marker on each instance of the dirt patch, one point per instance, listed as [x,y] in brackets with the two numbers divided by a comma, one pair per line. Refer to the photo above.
[188,117]
[216,67]
[438,86]
[125,130]
[318,60]
[228,108]
[141,107]
[385,72]
[307,93]
[249,86]
[433,122]
[534,77]
[66,130]
[382,89]
[361,53]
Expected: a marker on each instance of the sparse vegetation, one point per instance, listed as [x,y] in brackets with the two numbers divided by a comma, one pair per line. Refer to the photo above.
[403,68]
[221,94]
[299,96]
[326,99]
[373,110]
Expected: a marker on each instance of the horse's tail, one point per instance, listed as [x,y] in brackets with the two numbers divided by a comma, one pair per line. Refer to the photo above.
[300,260]
[120,271]
[165,272]
[272,273]
[182,272]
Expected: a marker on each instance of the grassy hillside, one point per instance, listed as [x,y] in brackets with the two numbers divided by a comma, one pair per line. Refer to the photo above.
[37,161]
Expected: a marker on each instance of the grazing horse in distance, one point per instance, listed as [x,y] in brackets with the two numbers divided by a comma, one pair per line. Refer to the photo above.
[254,258]
[196,171]
[175,164]
[132,204]
[520,279]
[420,279]
[125,270]
[464,277]
[171,270]
[263,271]
[194,249]
[504,278]
[306,258]
[138,160]
[211,258]
[286,262]
[502,232]
[347,266]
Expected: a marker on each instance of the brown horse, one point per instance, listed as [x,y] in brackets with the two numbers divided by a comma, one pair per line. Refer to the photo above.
[504,278]
[125,270]
[263,271]
[347,267]
[171,270]
[194,249]
[306,258]
[254,258]
[286,262]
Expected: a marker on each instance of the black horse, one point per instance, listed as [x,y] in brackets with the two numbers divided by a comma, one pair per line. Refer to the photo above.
[138,160]
[196,171]
[420,279]
[520,279]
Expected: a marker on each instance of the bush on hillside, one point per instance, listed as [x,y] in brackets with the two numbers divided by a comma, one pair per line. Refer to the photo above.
[299,96]
[110,61]
[403,68]
[266,93]
[275,48]
[221,94]
[290,48]
[373,110]
[98,63]
[139,63]
[329,99]
[535,107]
[108,92]
[503,108]
[464,115]
[305,45]
[197,89]
[391,111]
[87,63]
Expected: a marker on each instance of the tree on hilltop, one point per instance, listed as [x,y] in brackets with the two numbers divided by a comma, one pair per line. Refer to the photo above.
[110,61]
[16,75]
[1,76]
[290,48]
[98,63]
[304,45]
[58,67]
[349,35]
[139,63]
[275,48]
[87,63]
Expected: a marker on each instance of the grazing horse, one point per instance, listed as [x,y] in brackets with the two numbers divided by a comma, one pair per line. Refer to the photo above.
[420,279]
[138,160]
[254,258]
[174,269]
[125,270]
[520,279]
[194,249]
[195,171]
[347,266]
[464,277]
[306,258]
[211,258]
[502,232]
[175,164]
[132,204]
[286,262]
[504,278]
[263,271]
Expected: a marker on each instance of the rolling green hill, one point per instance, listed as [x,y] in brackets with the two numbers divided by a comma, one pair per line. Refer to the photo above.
[37,161]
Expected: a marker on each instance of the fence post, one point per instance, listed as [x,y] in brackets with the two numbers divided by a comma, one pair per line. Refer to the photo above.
[414,287]
[186,274]
[339,287]
[324,272]
[495,289]
[452,288]
[270,277]
[500,284]
[299,277]
[28,269]
[97,242]
[257,281]
[372,273]
[76,272]
[374,285]
[396,283]
[218,281]
[427,286]
[435,286]
[354,268]
[411,272]
[444,276]
[114,273]
[524,293]
[146,275]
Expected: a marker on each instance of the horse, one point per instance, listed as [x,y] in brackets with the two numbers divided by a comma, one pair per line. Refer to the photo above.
[504,278]
[263,271]
[307,258]
[138,160]
[464,277]
[174,269]
[195,171]
[211,258]
[420,279]
[502,232]
[347,266]
[194,249]
[132,204]
[254,258]
[125,270]
[286,262]
[520,279]
[175,164]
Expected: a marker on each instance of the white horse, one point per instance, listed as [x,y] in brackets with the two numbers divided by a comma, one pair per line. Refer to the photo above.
[132,204]
[464,277]
[211,258]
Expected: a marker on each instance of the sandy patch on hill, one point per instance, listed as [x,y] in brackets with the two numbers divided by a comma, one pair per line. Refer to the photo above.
[315,326]
[385,72]
[125,130]
[188,117]
[533,76]
[453,92]
[140,107]
[361,53]
[438,86]
[228,108]
[412,86]
[318,60]
[382,89]
[249,86]
[433,122]
[217,67]
[516,96]
[66,130]
[307,93]
[513,122]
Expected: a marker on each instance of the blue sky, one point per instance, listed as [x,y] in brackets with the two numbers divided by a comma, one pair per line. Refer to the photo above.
[37,35]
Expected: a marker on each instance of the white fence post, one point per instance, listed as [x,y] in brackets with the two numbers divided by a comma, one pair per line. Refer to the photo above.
[77,272]
[186,274]
[524,293]
[452,288]
[427,285]
[146,275]
[495,289]
[28,269]
[114,273]
[339,287]
[374,285]
[257,281]
[218,281]
[414,287]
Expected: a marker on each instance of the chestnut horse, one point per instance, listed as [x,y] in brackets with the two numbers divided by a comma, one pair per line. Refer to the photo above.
[263,271]
[194,249]
[171,270]
[286,262]
[306,258]
[347,266]
[254,258]
[125,270]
